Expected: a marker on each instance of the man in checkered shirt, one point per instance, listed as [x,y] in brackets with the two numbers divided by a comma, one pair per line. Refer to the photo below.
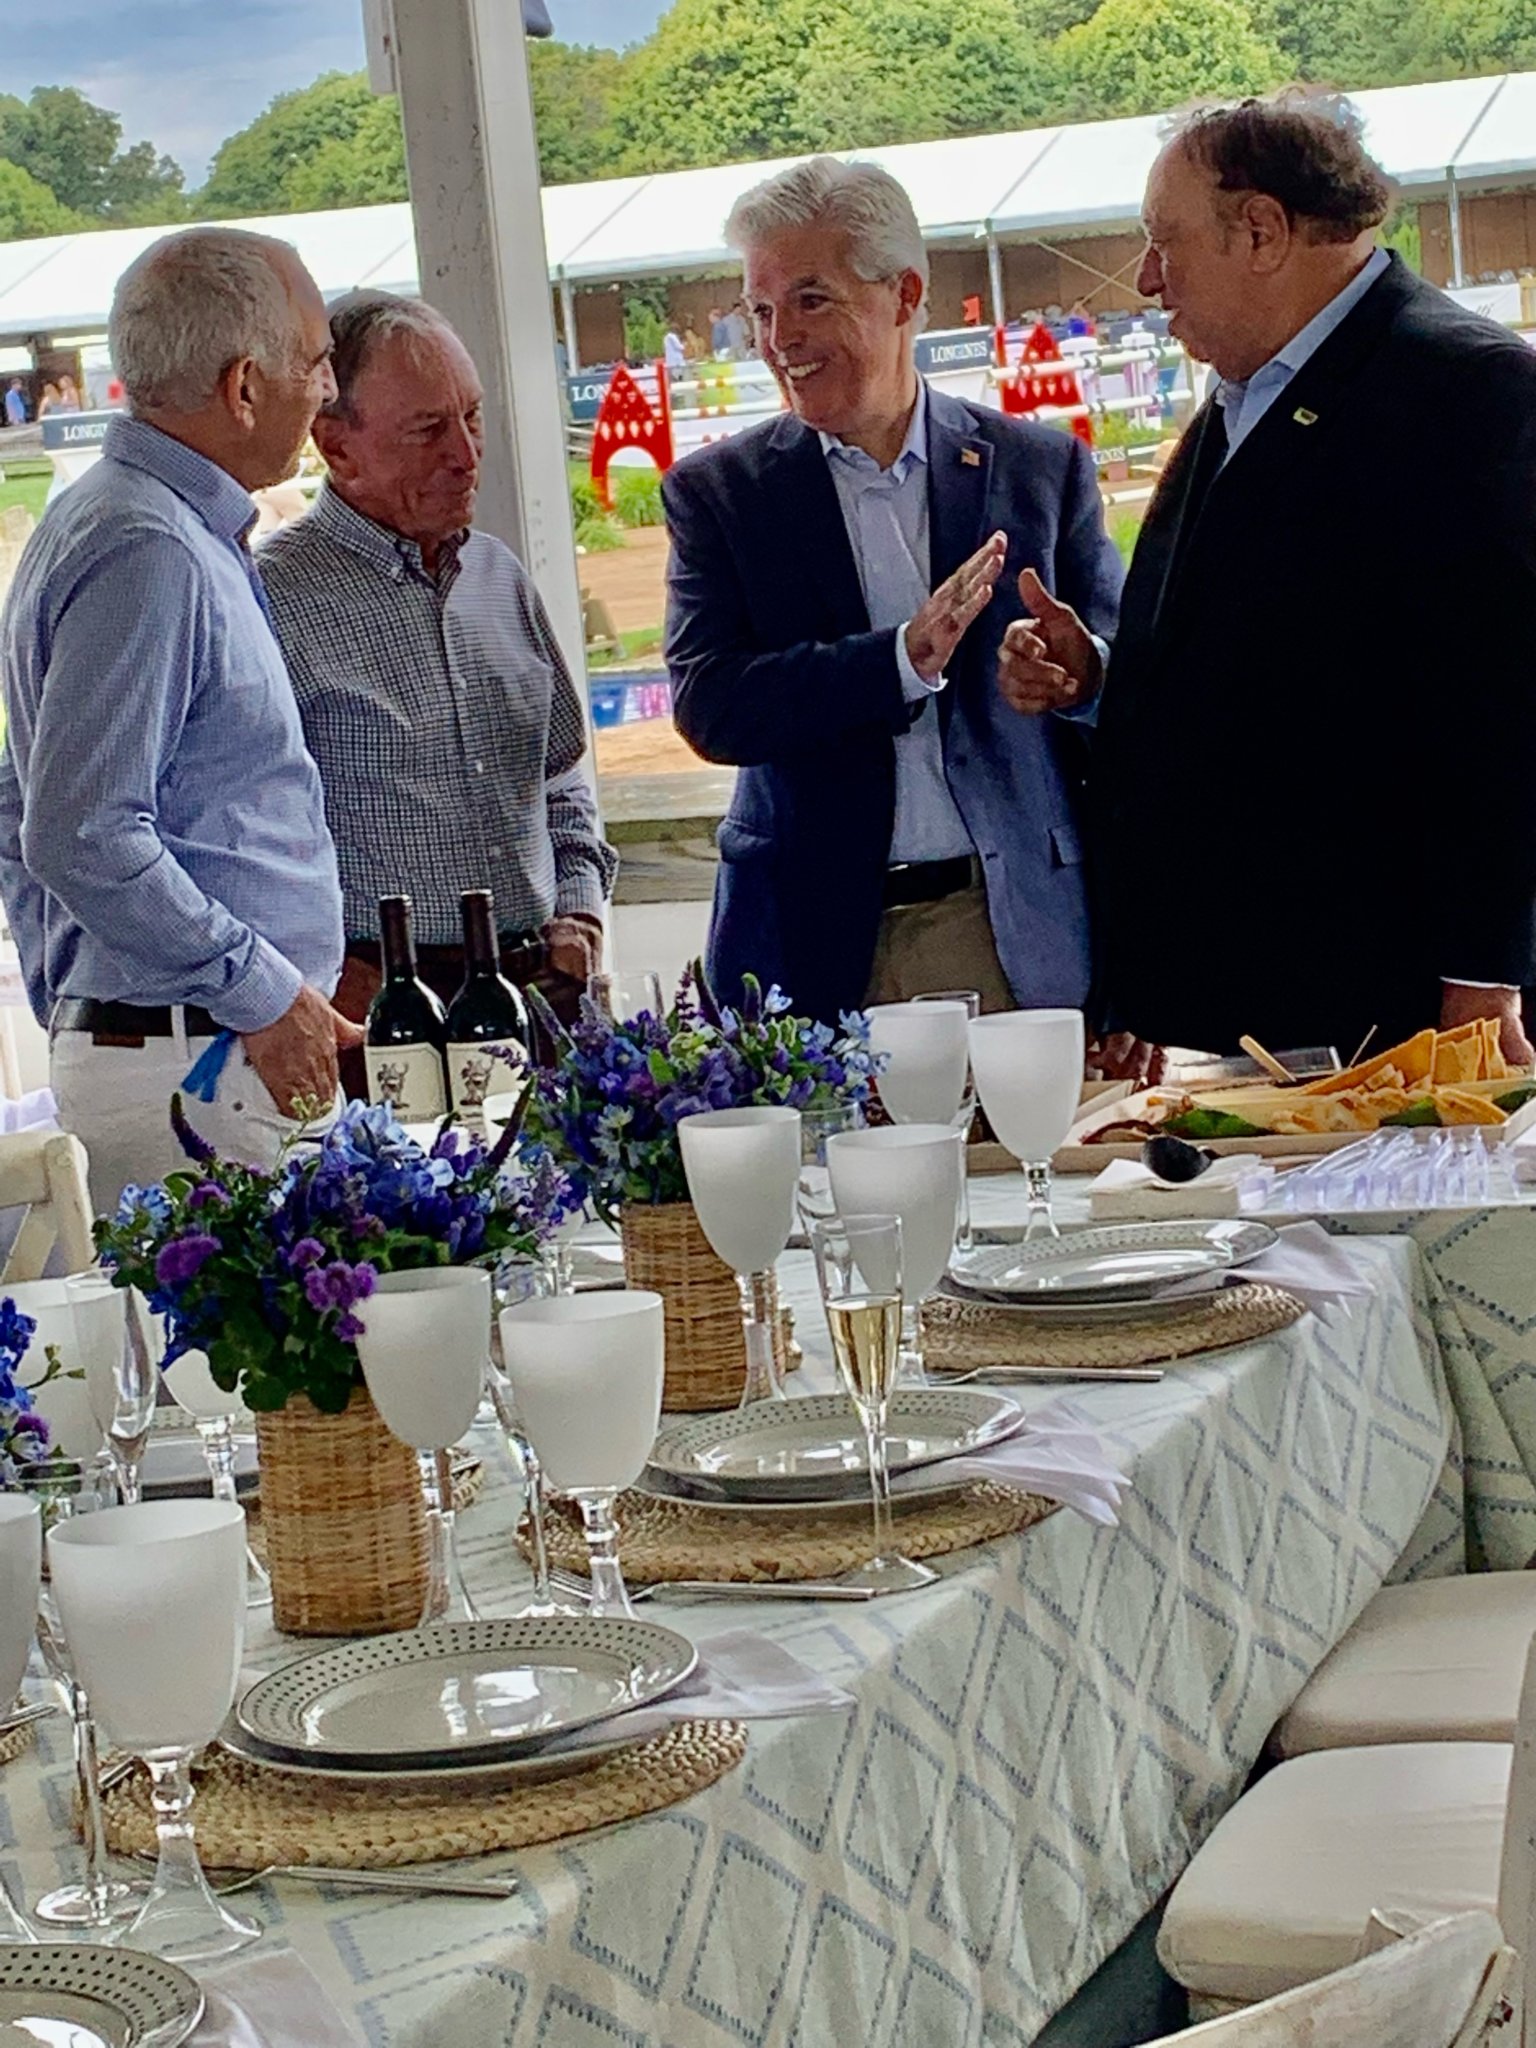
[435,699]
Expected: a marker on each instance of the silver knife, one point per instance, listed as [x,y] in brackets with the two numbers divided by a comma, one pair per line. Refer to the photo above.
[398,1881]
[25,1716]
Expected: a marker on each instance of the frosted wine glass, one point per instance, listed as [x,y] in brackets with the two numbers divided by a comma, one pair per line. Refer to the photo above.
[423,1348]
[586,1373]
[523,1279]
[912,1171]
[813,1190]
[964,1117]
[21,1564]
[1029,1074]
[193,1387]
[120,1379]
[926,1059]
[743,1166]
[65,1405]
[152,1599]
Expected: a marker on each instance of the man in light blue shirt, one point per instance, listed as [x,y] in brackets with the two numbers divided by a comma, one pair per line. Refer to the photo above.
[164,857]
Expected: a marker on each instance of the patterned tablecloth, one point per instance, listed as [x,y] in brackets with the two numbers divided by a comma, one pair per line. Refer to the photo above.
[1039,1742]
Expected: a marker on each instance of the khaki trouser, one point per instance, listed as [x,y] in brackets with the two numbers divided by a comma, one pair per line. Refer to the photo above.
[945,944]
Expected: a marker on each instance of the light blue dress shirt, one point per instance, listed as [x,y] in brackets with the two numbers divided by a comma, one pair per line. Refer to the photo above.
[1244,404]
[162,829]
[886,514]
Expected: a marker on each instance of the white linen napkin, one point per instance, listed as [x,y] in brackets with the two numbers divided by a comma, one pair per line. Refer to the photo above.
[1128,1192]
[1058,1453]
[740,1676]
[1308,1263]
[269,1999]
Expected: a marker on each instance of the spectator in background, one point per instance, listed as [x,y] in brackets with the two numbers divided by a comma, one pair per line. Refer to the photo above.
[1080,321]
[740,334]
[693,345]
[69,394]
[719,332]
[15,404]
[673,354]
[49,402]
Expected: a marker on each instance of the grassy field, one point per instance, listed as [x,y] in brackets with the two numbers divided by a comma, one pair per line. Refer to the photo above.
[25,483]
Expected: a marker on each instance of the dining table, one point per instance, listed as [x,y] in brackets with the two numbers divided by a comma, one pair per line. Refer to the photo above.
[1037,1743]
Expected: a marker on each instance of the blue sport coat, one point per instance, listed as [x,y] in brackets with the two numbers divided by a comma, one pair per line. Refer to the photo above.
[775,669]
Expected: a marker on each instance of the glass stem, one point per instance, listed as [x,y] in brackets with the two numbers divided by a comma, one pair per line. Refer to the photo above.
[965,1236]
[219,1452]
[879,1481]
[459,1603]
[436,1604]
[126,1455]
[90,1801]
[1040,1222]
[533,1494]
[910,1370]
[178,1871]
[609,1594]
[759,1309]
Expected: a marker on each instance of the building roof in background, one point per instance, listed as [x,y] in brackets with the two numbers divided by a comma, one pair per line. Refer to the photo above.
[1067,180]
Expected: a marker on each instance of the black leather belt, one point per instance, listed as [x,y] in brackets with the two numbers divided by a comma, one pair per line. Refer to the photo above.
[128,1023]
[925,881]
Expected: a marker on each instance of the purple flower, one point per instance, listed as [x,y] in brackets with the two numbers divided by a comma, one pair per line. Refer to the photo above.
[338,1286]
[196,1148]
[205,1193]
[307,1252]
[179,1260]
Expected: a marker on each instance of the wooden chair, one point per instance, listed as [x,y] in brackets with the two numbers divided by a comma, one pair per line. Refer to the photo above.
[1277,1894]
[43,1172]
[1442,1987]
[1439,1660]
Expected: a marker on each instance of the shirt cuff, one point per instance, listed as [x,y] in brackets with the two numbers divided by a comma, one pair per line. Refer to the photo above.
[266,991]
[914,687]
[579,893]
[1459,981]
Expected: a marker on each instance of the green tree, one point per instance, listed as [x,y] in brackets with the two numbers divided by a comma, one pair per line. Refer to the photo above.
[250,172]
[66,143]
[719,83]
[28,208]
[923,68]
[1142,56]
[366,168]
[573,93]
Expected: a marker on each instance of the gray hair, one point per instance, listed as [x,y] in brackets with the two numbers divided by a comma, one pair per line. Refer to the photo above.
[361,323]
[191,305]
[863,201]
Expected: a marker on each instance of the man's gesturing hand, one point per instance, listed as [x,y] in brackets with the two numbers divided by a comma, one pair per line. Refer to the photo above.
[935,631]
[296,1056]
[1049,662]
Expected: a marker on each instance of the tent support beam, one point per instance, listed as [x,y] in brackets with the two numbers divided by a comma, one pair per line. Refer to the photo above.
[1453,208]
[995,280]
[568,322]
[1106,279]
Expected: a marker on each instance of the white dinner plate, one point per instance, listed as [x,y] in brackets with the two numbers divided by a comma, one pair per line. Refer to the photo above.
[812,1445]
[174,1467]
[505,1775]
[92,1997]
[1112,1261]
[1047,1313]
[920,1488]
[463,1692]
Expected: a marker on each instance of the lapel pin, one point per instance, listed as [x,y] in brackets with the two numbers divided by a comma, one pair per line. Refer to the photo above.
[1304,416]
[970,458]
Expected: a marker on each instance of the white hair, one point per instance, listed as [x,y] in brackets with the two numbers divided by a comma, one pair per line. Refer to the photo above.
[191,305]
[858,199]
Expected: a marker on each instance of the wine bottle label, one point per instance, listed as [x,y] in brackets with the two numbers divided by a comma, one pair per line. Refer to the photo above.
[490,1067]
[409,1078]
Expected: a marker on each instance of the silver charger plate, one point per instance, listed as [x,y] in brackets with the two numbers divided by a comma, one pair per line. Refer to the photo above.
[462,1692]
[94,1997]
[1047,1313]
[921,1488]
[505,1775]
[1112,1261]
[812,1445]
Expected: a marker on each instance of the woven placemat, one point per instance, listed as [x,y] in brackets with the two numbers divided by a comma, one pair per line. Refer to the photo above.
[17,1743]
[247,1818]
[958,1336]
[663,1539]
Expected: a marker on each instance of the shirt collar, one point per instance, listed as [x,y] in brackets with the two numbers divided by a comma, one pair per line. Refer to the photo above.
[1305,343]
[223,505]
[913,449]
[387,550]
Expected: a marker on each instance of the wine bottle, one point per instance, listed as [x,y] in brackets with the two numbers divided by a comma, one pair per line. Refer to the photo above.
[487,1023]
[404,1050]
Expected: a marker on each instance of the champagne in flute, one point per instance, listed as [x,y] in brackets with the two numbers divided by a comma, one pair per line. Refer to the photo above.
[866,1341]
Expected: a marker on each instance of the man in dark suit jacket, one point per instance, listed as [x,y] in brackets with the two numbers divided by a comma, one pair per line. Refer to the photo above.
[896,826]
[1312,801]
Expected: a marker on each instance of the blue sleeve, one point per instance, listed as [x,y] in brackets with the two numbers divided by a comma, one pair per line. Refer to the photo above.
[733,700]
[23,898]
[122,660]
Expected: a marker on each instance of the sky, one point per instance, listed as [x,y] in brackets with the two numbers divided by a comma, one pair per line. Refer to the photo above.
[183,74]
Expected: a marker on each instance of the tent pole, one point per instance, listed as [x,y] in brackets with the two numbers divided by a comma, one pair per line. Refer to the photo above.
[995,277]
[1453,202]
[568,321]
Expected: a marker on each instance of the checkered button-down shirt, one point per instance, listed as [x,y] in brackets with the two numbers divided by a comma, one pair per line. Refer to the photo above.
[445,724]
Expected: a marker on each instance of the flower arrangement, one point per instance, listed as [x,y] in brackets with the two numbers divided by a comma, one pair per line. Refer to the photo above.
[24,1434]
[610,1105]
[263,1270]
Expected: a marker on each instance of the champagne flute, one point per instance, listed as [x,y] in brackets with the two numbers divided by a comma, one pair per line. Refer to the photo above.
[520,1279]
[193,1387]
[1029,1074]
[441,1314]
[858,1268]
[152,1599]
[743,1166]
[586,1371]
[965,1116]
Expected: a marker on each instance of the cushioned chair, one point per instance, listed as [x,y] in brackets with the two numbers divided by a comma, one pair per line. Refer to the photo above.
[1437,1989]
[1278,1894]
[1436,1661]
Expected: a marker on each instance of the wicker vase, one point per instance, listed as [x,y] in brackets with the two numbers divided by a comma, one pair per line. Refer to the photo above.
[665,1249]
[345,1528]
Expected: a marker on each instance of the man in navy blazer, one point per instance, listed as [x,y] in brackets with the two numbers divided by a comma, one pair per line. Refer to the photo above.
[842,579]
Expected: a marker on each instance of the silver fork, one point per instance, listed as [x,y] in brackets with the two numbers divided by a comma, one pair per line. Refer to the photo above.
[725,1589]
[376,1881]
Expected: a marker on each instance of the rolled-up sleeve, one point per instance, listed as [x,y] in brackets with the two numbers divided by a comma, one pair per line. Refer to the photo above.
[118,689]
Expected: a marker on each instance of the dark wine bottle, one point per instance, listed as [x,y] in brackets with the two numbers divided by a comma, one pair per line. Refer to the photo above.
[487,1023]
[407,1034]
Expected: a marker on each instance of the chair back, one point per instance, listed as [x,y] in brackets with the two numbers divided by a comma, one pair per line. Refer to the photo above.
[44,1172]
[1435,1989]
